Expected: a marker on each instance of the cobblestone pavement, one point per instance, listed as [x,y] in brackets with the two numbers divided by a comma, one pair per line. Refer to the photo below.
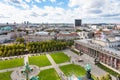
[18,75]
[56,67]
[86,59]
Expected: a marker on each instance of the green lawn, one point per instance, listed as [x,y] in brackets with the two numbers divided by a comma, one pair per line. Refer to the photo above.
[60,57]
[39,60]
[73,69]
[11,63]
[5,76]
[48,74]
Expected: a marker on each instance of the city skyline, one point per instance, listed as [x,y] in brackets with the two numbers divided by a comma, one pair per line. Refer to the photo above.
[60,11]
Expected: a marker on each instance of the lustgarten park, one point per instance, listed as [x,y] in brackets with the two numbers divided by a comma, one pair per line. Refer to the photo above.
[49,60]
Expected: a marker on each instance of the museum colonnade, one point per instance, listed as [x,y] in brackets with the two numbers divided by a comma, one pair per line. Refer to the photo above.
[101,55]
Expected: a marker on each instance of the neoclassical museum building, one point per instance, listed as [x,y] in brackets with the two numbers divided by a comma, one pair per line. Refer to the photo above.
[107,51]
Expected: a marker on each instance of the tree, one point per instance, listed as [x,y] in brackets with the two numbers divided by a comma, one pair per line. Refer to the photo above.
[8,53]
[97,78]
[101,29]
[0,53]
[118,77]
[78,30]
[13,52]
[20,40]
[102,78]
[108,77]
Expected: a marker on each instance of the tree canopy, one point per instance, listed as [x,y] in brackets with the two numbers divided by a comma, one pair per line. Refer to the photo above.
[20,40]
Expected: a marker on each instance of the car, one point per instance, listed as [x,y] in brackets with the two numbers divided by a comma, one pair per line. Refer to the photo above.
[80,60]
[96,60]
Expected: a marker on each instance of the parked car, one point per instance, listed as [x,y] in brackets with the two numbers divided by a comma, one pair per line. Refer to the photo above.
[80,60]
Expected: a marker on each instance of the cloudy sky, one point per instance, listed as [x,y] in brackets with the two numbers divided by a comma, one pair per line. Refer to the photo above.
[60,11]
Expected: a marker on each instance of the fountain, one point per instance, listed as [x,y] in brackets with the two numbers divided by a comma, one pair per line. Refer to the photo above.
[27,72]
[73,77]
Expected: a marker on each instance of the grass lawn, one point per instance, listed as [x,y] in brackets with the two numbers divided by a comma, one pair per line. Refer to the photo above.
[48,74]
[73,69]
[5,76]
[60,57]
[94,77]
[39,60]
[11,63]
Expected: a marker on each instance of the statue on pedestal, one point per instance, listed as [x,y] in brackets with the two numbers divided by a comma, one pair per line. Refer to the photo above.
[88,69]
[27,70]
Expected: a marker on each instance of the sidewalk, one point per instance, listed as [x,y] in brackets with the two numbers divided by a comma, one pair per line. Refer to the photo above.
[56,67]
[46,67]
[10,69]
[54,64]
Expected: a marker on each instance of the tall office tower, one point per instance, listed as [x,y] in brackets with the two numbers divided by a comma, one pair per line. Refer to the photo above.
[78,22]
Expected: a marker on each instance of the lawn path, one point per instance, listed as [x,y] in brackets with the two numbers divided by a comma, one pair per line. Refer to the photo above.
[26,59]
[9,69]
[42,68]
[46,67]
[56,67]
[54,64]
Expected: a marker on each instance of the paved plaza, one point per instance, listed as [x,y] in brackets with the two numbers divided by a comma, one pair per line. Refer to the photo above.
[74,59]
[17,75]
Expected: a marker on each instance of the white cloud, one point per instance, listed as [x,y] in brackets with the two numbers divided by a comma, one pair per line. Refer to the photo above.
[53,0]
[73,3]
[43,0]
[19,3]
[39,1]
[85,9]
[28,1]
[96,7]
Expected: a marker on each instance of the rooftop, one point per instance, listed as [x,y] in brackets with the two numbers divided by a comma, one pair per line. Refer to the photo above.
[41,33]
[111,51]
[6,28]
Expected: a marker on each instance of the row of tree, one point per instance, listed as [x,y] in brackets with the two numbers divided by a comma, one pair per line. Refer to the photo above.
[11,50]
[36,47]
[33,47]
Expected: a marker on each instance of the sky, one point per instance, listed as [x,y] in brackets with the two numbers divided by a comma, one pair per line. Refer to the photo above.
[60,11]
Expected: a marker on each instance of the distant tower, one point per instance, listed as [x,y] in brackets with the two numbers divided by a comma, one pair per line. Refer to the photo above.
[78,22]
[14,23]
[7,23]
[24,22]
